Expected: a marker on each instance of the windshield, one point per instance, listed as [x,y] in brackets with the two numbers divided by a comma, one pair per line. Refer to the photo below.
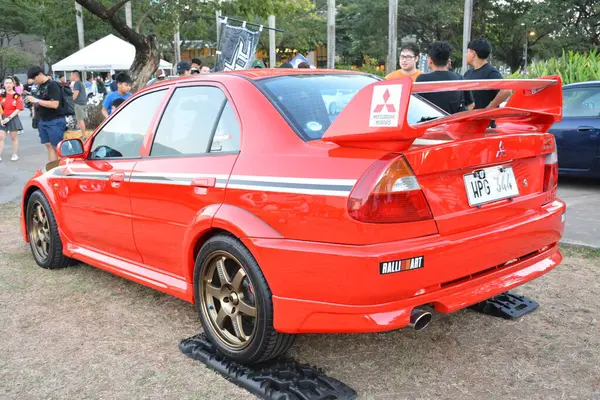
[312,102]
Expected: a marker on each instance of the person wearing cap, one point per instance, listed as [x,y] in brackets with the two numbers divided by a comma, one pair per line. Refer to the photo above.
[183,68]
[258,64]
[195,71]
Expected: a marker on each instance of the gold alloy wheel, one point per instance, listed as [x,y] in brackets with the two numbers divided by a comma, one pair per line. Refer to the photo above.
[227,300]
[39,232]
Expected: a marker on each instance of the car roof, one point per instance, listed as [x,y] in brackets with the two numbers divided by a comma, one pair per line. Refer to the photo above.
[254,75]
[262,73]
[582,84]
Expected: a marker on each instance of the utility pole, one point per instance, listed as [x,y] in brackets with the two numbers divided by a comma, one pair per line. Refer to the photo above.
[79,21]
[218,17]
[176,45]
[468,18]
[525,71]
[272,53]
[128,14]
[392,36]
[331,34]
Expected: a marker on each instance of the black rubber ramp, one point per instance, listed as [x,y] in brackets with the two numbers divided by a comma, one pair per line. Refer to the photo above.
[506,305]
[282,379]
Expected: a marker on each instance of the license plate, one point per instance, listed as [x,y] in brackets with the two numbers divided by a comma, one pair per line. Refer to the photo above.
[490,184]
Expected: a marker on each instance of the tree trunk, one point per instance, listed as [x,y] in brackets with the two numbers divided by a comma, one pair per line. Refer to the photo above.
[145,63]
[147,56]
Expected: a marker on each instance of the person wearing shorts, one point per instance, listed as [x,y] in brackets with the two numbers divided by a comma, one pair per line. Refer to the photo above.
[11,105]
[80,98]
[52,123]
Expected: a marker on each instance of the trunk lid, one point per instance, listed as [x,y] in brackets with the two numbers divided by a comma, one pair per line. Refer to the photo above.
[446,174]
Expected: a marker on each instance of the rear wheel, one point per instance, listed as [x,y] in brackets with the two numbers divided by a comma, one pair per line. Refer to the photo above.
[42,231]
[234,302]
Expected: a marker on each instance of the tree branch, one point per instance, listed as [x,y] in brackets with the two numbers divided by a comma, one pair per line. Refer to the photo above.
[120,26]
[116,7]
[143,17]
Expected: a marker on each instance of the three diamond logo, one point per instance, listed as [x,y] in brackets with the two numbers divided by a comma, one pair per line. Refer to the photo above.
[385,106]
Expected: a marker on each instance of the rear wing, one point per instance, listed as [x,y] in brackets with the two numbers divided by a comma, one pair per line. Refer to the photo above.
[377,116]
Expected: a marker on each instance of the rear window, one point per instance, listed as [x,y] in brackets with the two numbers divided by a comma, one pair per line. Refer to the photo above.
[312,102]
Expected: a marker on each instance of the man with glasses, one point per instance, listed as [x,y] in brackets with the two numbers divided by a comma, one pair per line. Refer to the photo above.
[409,57]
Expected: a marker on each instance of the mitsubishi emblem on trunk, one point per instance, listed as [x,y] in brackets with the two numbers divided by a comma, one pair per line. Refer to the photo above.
[501,152]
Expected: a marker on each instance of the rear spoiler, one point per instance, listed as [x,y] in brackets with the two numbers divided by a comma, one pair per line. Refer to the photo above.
[377,116]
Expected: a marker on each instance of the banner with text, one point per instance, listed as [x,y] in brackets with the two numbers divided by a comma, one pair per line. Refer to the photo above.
[237,46]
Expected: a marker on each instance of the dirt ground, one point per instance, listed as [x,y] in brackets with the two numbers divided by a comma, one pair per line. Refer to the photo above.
[83,333]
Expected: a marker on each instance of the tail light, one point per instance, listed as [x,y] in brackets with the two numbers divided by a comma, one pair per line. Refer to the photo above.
[388,193]
[551,172]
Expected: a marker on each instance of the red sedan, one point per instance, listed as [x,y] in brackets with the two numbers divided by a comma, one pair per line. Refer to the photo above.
[241,193]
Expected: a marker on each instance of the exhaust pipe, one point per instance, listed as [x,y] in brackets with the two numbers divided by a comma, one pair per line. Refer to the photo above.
[419,319]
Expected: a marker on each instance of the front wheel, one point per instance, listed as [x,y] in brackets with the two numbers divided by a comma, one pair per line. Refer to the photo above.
[42,231]
[234,302]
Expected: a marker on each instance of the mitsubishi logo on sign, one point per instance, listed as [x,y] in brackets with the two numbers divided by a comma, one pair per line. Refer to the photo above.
[385,106]
[501,152]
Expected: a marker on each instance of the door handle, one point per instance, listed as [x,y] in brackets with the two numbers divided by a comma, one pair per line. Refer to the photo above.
[116,177]
[204,182]
[585,128]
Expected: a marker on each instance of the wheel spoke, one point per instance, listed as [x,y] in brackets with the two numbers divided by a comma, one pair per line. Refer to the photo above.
[40,215]
[45,247]
[246,309]
[223,275]
[212,290]
[237,280]
[221,318]
[236,321]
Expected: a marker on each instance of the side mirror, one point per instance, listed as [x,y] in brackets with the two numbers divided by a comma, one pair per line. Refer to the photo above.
[70,148]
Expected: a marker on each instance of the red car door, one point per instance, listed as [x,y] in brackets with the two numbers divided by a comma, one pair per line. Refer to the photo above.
[185,171]
[95,192]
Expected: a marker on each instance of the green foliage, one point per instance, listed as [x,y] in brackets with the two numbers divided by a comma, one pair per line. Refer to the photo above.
[304,28]
[572,67]
[12,58]
[58,27]
[19,17]
[369,65]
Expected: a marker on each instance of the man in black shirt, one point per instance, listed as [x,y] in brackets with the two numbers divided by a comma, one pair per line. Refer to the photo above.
[451,102]
[478,51]
[52,123]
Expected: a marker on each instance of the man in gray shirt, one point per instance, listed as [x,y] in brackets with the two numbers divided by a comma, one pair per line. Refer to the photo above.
[80,98]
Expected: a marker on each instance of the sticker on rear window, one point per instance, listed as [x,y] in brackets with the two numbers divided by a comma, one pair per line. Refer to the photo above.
[390,267]
[385,106]
[314,126]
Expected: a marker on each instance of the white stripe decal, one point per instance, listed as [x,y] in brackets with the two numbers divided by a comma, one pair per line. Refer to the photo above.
[172,182]
[180,175]
[282,179]
[289,190]
[318,186]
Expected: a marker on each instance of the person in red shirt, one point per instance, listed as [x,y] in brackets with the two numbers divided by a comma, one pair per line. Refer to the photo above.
[11,103]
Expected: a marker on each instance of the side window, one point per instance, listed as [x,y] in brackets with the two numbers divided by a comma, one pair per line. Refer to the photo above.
[581,102]
[227,135]
[188,123]
[124,134]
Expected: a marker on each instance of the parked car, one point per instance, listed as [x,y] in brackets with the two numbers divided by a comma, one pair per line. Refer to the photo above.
[235,191]
[578,134]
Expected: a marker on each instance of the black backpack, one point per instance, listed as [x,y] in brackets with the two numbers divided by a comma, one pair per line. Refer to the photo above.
[67,103]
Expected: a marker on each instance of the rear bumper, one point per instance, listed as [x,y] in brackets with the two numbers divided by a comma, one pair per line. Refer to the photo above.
[328,288]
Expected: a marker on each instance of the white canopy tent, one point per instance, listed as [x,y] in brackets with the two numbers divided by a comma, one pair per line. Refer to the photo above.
[107,54]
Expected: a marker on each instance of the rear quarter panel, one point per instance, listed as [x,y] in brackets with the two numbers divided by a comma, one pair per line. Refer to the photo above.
[300,189]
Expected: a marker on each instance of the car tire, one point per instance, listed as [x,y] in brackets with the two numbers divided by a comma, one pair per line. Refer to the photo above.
[225,252]
[42,231]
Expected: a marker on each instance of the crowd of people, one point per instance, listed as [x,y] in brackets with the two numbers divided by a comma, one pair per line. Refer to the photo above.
[478,52]
[44,97]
